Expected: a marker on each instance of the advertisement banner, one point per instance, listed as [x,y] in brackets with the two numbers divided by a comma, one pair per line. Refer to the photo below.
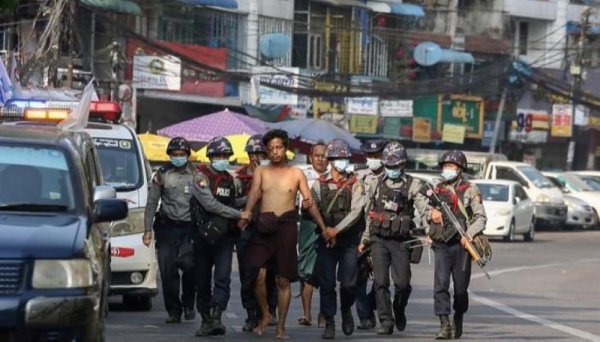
[531,126]
[287,77]
[562,122]
[157,72]
[328,104]
[362,105]
[421,130]
[366,124]
[454,133]
[462,110]
[396,108]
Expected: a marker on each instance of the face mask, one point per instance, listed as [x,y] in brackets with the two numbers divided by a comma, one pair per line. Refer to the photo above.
[449,174]
[220,164]
[178,161]
[264,162]
[341,164]
[393,173]
[374,164]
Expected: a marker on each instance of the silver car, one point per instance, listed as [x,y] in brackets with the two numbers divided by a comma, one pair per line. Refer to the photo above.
[580,214]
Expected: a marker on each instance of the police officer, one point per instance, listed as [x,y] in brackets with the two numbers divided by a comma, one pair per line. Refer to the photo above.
[172,184]
[257,154]
[365,303]
[214,211]
[451,258]
[340,198]
[390,213]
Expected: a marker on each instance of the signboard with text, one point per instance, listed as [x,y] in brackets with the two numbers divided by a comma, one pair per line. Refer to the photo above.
[531,126]
[157,72]
[366,124]
[562,122]
[362,105]
[421,130]
[396,108]
[467,111]
[287,77]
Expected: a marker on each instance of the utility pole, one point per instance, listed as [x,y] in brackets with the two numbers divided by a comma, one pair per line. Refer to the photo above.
[576,75]
[498,120]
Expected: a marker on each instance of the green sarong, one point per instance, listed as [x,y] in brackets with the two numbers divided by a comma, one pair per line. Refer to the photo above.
[307,251]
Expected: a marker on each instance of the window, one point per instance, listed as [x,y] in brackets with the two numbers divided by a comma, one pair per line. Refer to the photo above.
[559,184]
[315,51]
[523,37]
[535,176]
[121,166]
[519,192]
[494,192]
[508,174]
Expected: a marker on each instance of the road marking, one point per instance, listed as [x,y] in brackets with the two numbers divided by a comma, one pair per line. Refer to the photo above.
[523,315]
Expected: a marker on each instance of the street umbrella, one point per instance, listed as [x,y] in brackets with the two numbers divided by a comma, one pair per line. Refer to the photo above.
[224,123]
[313,130]
[155,146]
[238,142]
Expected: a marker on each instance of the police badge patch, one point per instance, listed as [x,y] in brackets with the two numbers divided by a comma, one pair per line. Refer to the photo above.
[202,182]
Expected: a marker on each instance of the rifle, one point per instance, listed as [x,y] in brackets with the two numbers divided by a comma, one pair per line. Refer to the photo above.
[448,214]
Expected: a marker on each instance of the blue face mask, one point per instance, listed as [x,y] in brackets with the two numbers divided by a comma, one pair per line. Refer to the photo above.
[374,164]
[393,173]
[220,164]
[449,174]
[341,164]
[264,162]
[179,161]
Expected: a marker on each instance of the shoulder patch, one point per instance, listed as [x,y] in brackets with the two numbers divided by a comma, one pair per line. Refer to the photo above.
[477,198]
[201,181]
[157,179]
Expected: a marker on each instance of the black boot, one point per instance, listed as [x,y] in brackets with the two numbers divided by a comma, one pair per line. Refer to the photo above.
[399,316]
[445,332]
[347,322]
[206,327]
[329,333]
[386,328]
[365,324]
[189,314]
[458,325]
[251,321]
[173,318]
[217,328]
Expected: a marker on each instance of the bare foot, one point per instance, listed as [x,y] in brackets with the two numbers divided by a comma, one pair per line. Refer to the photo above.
[280,334]
[262,325]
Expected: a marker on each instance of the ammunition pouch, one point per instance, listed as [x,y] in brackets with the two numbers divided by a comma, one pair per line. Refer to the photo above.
[416,251]
[482,246]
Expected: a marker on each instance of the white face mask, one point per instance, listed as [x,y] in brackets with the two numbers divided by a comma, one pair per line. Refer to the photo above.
[374,164]
[341,164]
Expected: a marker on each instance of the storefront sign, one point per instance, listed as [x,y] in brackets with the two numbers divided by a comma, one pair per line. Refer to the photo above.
[421,130]
[396,108]
[454,133]
[157,72]
[488,133]
[287,77]
[366,124]
[462,110]
[362,105]
[531,126]
[562,120]
[328,104]
[300,111]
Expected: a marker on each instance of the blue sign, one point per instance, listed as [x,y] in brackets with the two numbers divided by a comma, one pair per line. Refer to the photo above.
[488,133]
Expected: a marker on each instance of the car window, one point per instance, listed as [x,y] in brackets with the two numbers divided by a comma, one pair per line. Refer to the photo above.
[121,165]
[592,182]
[508,173]
[535,177]
[494,192]
[32,175]
[519,192]
[559,184]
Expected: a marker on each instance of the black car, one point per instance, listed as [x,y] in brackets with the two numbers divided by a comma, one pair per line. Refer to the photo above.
[54,216]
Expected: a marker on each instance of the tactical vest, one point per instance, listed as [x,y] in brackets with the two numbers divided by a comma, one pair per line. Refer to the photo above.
[452,200]
[246,180]
[222,188]
[392,207]
[343,203]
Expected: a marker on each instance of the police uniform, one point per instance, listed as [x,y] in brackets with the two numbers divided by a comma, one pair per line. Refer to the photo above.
[451,259]
[172,225]
[218,194]
[365,301]
[390,213]
[342,210]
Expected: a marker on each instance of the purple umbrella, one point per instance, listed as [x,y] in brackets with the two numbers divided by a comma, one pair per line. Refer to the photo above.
[206,127]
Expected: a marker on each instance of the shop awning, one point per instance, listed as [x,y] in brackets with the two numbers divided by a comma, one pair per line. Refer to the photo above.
[120,6]
[396,8]
[343,3]
[231,4]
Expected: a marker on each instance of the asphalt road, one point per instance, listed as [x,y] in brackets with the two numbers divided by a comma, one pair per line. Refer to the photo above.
[545,290]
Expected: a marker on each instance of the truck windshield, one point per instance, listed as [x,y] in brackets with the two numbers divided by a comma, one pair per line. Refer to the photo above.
[120,162]
[35,178]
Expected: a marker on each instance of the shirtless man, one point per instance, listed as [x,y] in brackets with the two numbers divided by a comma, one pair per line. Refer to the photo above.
[277,186]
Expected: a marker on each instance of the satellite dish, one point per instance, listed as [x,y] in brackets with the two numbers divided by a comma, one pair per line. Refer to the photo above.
[275,45]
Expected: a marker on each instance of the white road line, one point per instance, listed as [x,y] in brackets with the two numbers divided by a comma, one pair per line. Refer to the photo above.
[523,315]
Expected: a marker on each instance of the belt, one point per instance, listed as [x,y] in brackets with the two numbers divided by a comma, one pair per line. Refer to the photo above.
[178,223]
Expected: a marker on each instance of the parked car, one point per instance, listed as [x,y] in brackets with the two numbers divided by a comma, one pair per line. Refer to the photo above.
[572,184]
[592,178]
[54,215]
[509,209]
[580,214]
[550,207]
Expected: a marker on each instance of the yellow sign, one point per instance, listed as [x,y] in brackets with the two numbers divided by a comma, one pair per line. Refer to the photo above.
[462,110]
[328,104]
[421,130]
[594,122]
[562,120]
[454,134]
[363,124]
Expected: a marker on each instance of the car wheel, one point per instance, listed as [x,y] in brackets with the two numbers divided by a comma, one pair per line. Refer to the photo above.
[531,233]
[511,232]
[137,303]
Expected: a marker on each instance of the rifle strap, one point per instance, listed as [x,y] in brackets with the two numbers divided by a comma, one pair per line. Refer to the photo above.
[337,194]
[461,206]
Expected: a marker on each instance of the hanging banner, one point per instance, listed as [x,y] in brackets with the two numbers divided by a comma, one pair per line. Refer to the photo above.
[462,110]
[366,124]
[362,105]
[454,133]
[562,120]
[396,108]
[421,130]
[283,76]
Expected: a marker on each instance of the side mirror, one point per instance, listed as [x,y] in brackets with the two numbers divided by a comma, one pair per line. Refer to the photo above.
[104,192]
[110,209]
[517,199]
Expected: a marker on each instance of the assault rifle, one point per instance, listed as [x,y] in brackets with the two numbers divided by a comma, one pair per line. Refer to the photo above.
[449,215]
